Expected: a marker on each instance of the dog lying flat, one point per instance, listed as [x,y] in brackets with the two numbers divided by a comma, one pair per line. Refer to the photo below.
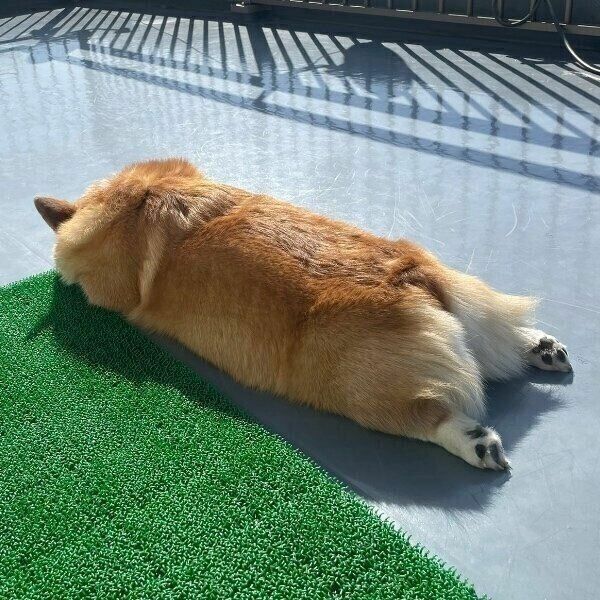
[300,305]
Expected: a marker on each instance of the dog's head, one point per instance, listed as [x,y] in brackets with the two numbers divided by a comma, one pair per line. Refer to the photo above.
[106,240]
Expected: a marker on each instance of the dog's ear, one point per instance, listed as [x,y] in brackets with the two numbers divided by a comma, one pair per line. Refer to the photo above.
[54,211]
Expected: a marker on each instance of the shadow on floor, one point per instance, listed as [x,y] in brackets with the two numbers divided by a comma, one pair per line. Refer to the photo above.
[341,86]
[384,468]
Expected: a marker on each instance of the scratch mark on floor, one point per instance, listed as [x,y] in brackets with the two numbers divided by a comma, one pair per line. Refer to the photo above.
[516,221]
[487,264]
[586,308]
[470,261]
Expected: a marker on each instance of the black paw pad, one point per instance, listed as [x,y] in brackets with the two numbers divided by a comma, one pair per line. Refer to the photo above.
[476,432]
[561,355]
[546,344]
[480,451]
[495,453]
[547,358]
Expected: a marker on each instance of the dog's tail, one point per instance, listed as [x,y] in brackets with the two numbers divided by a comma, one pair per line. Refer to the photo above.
[493,323]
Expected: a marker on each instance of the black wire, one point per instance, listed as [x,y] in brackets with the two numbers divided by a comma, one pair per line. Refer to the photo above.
[498,15]
[582,64]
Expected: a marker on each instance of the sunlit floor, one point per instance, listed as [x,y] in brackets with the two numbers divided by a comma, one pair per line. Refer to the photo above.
[489,156]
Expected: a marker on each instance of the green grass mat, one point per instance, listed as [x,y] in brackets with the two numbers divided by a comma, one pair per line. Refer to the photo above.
[124,475]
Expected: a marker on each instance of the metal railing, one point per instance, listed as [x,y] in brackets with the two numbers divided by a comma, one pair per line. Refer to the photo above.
[580,17]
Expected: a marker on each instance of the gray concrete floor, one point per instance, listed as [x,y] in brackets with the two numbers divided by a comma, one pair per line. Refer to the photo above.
[487,155]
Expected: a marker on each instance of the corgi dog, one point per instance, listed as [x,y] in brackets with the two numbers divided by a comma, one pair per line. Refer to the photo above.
[315,310]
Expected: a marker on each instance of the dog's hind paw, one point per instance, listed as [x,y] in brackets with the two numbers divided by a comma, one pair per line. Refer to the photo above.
[479,446]
[485,449]
[548,354]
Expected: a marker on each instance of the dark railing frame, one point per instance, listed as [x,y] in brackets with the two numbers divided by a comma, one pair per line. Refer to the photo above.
[415,13]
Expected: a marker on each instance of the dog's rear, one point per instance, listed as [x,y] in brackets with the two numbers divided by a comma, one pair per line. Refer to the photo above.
[312,309]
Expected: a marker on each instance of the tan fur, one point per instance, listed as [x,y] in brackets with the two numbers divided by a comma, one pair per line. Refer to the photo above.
[282,299]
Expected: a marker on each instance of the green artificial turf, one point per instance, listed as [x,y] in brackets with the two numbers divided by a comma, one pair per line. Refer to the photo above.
[122,474]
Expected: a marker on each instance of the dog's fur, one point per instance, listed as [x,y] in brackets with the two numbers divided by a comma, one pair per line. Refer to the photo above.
[297,304]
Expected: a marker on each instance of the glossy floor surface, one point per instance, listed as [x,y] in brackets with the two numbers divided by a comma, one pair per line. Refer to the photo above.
[489,156]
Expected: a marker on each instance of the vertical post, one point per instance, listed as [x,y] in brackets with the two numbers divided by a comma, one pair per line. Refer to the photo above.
[568,11]
[469,8]
[441,5]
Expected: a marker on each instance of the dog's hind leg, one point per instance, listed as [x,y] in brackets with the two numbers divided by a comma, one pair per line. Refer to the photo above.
[498,332]
[458,429]
[426,387]
[435,419]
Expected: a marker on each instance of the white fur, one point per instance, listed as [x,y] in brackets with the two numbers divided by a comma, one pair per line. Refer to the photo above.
[471,400]
[494,341]
[494,326]
[156,243]
[454,436]
[533,355]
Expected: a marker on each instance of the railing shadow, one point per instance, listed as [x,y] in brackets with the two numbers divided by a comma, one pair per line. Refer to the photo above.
[368,89]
